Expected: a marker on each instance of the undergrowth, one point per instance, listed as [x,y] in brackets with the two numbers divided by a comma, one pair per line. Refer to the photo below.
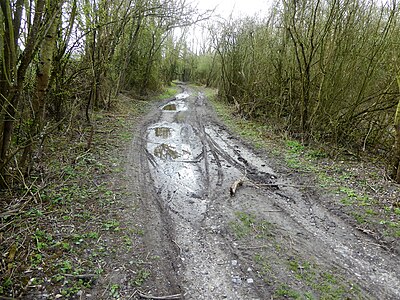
[58,229]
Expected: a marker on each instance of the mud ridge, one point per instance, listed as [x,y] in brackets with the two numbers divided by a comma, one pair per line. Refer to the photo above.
[256,245]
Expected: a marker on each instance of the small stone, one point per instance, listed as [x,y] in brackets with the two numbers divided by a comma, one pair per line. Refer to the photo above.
[79,293]
[234,262]
[250,280]
[249,269]
[236,279]
[58,296]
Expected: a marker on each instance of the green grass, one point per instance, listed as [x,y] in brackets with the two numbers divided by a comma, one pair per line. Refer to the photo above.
[169,92]
[141,277]
[246,224]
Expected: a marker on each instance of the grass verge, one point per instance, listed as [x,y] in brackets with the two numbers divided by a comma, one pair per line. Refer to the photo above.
[61,231]
[357,186]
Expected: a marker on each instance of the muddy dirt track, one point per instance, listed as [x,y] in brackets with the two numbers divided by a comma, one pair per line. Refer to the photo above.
[272,240]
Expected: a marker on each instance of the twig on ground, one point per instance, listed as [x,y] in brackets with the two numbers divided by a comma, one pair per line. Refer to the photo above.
[179,247]
[136,262]
[168,297]
[134,293]
[375,191]
[243,180]
[251,247]
[285,185]
[366,231]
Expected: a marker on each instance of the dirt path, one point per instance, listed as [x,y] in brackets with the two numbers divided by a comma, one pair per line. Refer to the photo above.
[271,240]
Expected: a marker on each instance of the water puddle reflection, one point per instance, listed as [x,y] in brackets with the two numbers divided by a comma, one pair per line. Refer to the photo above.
[170,107]
[175,106]
[175,154]
[163,132]
[166,152]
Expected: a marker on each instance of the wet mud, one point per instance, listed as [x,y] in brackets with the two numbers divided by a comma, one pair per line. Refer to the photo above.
[188,162]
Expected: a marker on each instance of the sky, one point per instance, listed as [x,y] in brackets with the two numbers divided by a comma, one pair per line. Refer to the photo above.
[239,8]
[197,35]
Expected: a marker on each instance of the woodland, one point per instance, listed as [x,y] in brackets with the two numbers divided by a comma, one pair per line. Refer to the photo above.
[324,71]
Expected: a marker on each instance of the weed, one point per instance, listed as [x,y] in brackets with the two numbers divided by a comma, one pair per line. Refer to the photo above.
[114,290]
[78,239]
[287,292]
[34,212]
[127,136]
[316,154]
[66,267]
[264,264]
[324,179]
[64,246]
[370,212]
[318,283]
[93,235]
[138,231]
[6,284]
[247,224]
[57,278]
[359,218]
[294,155]
[111,225]
[141,276]
[293,162]
[347,201]
[36,260]
[350,193]
[364,200]
[295,147]
[127,241]
[70,291]
[353,198]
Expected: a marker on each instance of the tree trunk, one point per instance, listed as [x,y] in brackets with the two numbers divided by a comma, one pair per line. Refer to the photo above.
[396,153]
[42,82]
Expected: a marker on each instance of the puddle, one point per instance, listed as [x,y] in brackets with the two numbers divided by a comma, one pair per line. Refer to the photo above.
[175,106]
[165,151]
[163,132]
[181,96]
[170,107]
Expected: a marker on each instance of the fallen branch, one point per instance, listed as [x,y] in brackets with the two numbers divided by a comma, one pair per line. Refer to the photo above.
[243,180]
[283,185]
[235,186]
[169,297]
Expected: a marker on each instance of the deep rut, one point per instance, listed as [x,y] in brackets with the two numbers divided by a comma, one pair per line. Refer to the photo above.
[186,163]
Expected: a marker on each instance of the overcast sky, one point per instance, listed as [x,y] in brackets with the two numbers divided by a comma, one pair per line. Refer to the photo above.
[240,8]
[197,35]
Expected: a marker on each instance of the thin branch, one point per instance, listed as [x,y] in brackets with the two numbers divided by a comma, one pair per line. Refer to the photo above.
[168,297]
